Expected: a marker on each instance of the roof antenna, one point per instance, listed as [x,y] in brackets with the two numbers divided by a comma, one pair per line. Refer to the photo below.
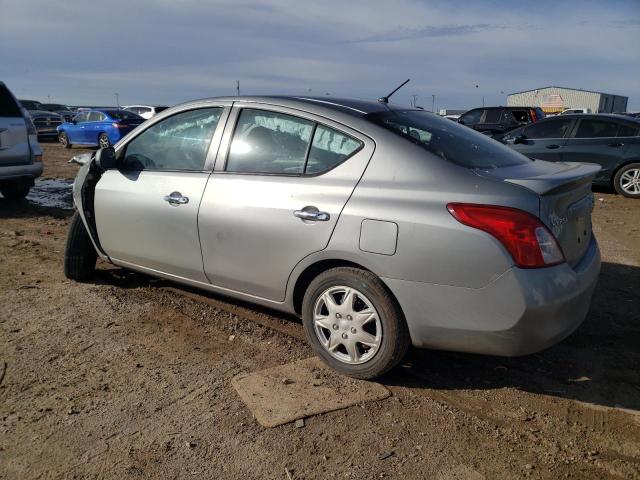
[386,99]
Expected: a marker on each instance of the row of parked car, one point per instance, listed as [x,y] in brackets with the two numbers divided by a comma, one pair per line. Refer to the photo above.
[610,140]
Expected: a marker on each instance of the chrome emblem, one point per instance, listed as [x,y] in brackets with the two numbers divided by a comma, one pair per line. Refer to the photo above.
[557,223]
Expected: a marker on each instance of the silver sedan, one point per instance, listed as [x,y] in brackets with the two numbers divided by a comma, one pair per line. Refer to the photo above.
[382,227]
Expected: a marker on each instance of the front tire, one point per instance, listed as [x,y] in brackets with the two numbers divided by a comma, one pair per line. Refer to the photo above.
[79,256]
[627,180]
[63,138]
[353,323]
[103,141]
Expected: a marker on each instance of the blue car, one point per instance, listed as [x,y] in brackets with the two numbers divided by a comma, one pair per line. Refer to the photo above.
[100,128]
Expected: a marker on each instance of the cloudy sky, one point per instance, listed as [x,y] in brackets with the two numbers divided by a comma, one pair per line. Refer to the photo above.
[168,51]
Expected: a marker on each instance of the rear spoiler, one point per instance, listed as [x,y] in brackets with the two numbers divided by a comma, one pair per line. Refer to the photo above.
[574,175]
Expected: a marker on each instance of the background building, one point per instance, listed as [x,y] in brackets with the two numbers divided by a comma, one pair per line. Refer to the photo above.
[557,99]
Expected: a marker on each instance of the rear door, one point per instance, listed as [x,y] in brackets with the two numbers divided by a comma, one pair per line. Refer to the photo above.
[543,140]
[281,180]
[14,140]
[146,211]
[94,126]
[596,140]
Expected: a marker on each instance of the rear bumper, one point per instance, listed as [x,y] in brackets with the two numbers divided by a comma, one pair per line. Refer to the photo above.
[28,171]
[521,312]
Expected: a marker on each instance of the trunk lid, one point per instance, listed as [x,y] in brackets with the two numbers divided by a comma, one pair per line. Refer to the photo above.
[566,201]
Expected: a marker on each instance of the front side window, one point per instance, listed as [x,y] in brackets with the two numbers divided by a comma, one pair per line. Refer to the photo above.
[556,128]
[448,140]
[589,128]
[627,131]
[81,117]
[269,142]
[472,117]
[179,142]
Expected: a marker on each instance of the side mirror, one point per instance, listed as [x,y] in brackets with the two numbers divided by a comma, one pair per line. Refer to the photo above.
[75,122]
[105,158]
[519,139]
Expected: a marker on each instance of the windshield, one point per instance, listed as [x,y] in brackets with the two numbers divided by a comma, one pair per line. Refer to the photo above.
[123,115]
[31,105]
[55,106]
[450,141]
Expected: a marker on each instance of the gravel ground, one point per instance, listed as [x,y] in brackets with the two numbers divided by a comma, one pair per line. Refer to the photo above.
[129,377]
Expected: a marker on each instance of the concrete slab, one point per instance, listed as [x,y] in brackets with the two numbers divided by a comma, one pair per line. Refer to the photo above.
[301,389]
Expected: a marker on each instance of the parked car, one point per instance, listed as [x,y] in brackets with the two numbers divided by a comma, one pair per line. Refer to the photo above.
[496,121]
[64,111]
[45,122]
[569,111]
[611,141]
[145,111]
[101,128]
[629,114]
[20,154]
[381,226]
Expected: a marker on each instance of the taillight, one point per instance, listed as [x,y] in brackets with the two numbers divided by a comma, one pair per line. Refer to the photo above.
[534,115]
[525,237]
[117,125]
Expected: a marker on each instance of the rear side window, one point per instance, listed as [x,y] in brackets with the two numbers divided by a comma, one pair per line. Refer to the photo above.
[329,148]
[179,142]
[8,106]
[590,128]
[95,117]
[448,140]
[492,116]
[556,128]
[269,142]
[627,131]
[521,116]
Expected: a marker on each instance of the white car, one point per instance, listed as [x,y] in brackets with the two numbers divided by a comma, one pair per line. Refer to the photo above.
[575,110]
[145,111]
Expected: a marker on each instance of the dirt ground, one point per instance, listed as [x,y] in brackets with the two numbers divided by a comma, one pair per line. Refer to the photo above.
[129,377]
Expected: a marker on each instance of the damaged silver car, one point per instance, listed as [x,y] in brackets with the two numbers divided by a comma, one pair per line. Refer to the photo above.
[381,226]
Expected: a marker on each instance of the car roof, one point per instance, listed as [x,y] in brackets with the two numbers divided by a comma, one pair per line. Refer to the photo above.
[592,116]
[349,106]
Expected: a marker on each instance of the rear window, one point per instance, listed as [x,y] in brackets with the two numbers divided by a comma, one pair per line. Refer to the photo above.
[159,109]
[8,106]
[448,140]
[122,115]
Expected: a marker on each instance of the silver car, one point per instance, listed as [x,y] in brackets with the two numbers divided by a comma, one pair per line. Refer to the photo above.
[382,227]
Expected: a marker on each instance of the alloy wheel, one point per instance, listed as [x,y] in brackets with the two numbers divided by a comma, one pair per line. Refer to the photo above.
[103,141]
[347,325]
[630,181]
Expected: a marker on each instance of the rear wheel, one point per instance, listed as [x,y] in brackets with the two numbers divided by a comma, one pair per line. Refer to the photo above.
[64,140]
[627,180]
[79,256]
[15,189]
[103,141]
[353,323]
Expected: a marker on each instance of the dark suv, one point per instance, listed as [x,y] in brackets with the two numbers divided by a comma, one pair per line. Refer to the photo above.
[496,121]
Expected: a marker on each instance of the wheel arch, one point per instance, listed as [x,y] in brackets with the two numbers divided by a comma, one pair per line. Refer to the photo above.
[319,266]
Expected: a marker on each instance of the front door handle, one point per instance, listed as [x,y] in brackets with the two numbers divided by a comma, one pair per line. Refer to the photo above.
[175,199]
[312,215]
[553,147]
[616,145]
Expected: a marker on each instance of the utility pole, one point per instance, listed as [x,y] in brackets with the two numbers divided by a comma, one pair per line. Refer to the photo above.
[433,103]
[483,100]
[48,98]
[117,99]
[238,88]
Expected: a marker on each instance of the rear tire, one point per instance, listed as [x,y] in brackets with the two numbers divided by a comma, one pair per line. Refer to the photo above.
[63,138]
[103,141]
[15,190]
[79,256]
[386,329]
[627,180]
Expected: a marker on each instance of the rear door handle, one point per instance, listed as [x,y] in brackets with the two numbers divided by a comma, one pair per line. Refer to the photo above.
[312,215]
[175,199]
[553,147]
[616,145]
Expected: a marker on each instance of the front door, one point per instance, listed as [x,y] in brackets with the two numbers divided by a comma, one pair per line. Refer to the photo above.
[278,188]
[146,210]
[543,140]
